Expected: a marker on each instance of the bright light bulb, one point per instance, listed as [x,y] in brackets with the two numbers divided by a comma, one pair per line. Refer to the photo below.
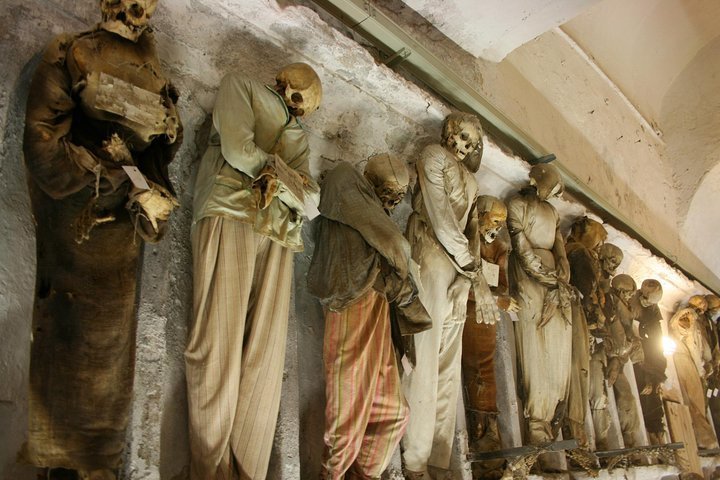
[669,346]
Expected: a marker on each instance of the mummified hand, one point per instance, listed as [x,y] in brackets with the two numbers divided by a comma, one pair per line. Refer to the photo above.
[156,204]
[458,295]
[266,186]
[117,150]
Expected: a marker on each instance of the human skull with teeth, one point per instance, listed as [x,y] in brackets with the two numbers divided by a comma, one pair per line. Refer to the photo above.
[624,286]
[127,18]
[299,86]
[492,215]
[610,258]
[698,303]
[462,136]
[389,177]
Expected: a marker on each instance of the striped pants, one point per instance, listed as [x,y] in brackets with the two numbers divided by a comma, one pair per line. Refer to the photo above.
[236,348]
[366,413]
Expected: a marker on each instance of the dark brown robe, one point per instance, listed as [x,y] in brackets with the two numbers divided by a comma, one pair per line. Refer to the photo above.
[84,324]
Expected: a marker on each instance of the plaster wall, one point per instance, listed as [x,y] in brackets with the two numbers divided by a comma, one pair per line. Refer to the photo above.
[367,109]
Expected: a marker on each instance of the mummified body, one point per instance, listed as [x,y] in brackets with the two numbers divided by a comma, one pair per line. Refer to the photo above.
[247,222]
[361,264]
[586,237]
[692,359]
[620,346]
[539,271]
[98,101]
[479,338]
[438,231]
[650,372]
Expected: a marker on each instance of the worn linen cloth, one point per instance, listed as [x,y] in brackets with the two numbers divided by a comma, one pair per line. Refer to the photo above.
[356,241]
[84,324]
[236,348]
[589,360]
[242,253]
[684,328]
[251,123]
[479,339]
[438,229]
[357,247]
[651,370]
[366,413]
[620,346]
[544,332]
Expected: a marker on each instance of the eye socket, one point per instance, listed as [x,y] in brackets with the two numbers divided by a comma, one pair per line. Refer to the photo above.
[296,97]
[136,10]
[464,136]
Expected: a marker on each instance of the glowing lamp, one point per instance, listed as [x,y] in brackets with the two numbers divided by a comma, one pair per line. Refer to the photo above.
[669,346]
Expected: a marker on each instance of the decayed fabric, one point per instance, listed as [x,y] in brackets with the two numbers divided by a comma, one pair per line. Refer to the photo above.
[242,253]
[357,248]
[251,123]
[437,228]
[479,340]
[354,237]
[651,371]
[366,413]
[543,333]
[620,347]
[689,354]
[588,371]
[89,241]
[234,357]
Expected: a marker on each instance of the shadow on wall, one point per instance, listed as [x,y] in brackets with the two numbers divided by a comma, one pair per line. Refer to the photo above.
[17,284]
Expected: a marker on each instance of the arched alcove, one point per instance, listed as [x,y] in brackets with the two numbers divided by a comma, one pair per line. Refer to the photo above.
[702,224]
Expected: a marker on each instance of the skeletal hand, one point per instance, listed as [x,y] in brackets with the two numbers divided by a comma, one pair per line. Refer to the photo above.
[117,150]
[508,303]
[647,389]
[156,203]
[458,296]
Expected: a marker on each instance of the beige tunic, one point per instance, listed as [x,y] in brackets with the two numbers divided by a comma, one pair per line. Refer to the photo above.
[544,353]
[437,232]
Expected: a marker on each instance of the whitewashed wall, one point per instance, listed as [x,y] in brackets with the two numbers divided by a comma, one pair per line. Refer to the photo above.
[367,109]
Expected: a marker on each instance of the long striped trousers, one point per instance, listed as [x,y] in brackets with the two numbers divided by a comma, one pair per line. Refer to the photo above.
[236,348]
[366,413]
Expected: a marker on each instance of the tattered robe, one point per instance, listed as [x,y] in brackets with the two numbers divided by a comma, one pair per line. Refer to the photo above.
[651,371]
[544,352]
[438,231]
[689,358]
[357,248]
[620,347]
[84,324]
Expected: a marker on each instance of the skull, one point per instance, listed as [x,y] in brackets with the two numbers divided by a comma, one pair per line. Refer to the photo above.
[462,136]
[713,305]
[492,214]
[389,177]
[547,180]
[650,292]
[300,88]
[610,258]
[624,286]
[698,303]
[588,232]
[127,18]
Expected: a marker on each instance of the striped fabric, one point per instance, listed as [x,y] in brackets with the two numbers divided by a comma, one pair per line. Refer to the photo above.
[366,413]
[236,348]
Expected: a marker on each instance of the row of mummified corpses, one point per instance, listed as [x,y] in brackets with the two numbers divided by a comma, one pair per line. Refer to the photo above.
[101,129]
